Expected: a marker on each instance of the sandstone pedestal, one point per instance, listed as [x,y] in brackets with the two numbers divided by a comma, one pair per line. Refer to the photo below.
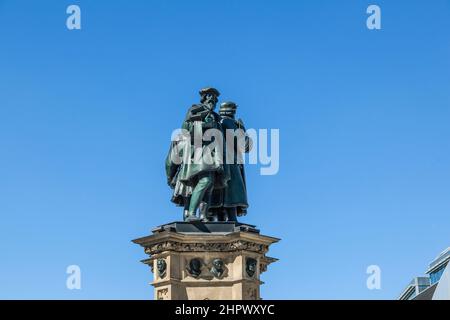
[214,260]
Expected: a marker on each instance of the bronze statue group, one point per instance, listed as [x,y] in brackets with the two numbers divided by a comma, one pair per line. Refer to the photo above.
[207,174]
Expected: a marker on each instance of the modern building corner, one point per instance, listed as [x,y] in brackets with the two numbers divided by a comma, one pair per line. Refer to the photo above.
[435,285]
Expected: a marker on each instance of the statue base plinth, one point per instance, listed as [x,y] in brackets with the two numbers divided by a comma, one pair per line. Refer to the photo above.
[212,260]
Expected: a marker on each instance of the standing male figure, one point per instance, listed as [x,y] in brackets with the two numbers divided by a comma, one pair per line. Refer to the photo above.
[202,167]
[233,197]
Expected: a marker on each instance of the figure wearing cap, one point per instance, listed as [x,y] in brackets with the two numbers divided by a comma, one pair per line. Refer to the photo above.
[202,167]
[233,196]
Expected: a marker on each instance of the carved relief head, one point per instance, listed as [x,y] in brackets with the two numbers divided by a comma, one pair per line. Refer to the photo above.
[250,267]
[195,267]
[161,266]
[217,268]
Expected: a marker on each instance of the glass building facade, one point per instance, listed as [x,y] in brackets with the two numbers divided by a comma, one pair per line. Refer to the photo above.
[437,267]
[415,287]
[421,286]
[435,276]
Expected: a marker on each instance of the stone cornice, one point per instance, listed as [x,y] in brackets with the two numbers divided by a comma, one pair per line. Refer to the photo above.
[236,241]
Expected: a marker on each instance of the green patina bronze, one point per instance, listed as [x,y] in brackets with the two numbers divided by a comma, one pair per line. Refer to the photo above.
[210,177]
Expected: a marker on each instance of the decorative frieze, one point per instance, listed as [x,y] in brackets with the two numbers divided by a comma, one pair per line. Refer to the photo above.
[171,245]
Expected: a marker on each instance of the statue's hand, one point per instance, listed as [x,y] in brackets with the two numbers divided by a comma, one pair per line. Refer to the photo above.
[197,112]
[240,124]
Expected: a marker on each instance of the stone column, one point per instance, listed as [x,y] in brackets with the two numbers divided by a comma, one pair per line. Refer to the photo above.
[199,261]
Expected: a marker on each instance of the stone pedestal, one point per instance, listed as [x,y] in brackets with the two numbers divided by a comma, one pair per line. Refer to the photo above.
[214,260]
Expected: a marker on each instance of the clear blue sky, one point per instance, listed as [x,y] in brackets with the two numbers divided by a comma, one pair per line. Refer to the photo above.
[86,118]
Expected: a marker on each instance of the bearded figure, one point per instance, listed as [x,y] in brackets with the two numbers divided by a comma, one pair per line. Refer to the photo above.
[194,166]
